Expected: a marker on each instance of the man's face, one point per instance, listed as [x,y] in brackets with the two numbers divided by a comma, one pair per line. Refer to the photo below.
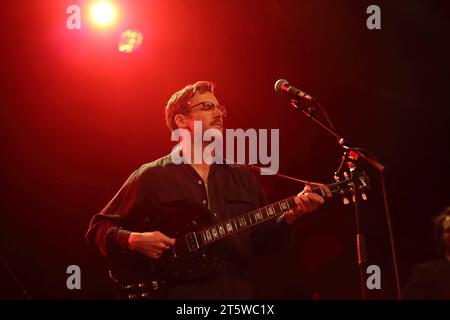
[210,118]
[446,233]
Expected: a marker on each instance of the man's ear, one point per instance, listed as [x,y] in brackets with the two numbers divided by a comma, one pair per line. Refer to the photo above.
[181,121]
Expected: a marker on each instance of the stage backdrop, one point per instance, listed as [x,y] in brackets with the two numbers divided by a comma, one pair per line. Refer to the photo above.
[78,116]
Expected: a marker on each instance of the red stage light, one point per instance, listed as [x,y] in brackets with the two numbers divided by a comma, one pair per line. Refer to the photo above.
[130,40]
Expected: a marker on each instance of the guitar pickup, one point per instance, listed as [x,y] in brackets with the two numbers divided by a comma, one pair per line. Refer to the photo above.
[191,241]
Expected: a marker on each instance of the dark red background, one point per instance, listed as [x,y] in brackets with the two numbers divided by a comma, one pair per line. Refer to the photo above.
[77,117]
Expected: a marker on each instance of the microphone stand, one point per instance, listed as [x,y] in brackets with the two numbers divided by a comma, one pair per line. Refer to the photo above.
[351,155]
[19,284]
[351,160]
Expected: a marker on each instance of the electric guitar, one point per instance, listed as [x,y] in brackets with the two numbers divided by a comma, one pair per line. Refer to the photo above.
[139,277]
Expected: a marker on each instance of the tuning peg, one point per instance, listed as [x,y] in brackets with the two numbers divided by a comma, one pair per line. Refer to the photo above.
[346,201]
[364,196]
[145,295]
[129,287]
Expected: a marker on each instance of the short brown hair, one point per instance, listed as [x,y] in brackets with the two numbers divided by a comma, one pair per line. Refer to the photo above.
[439,230]
[177,104]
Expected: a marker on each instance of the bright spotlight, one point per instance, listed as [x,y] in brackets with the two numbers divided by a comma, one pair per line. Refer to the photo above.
[103,13]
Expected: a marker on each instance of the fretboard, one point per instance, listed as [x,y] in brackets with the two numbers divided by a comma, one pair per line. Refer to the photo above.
[236,224]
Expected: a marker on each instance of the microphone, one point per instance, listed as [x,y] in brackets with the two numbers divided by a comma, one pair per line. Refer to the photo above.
[282,86]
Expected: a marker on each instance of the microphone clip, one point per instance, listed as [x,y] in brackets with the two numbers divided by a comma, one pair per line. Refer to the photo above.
[308,108]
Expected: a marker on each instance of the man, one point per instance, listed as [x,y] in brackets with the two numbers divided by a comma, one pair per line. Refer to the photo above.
[158,193]
[431,279]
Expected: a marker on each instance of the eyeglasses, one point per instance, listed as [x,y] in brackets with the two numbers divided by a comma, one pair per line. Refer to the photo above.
[208,106]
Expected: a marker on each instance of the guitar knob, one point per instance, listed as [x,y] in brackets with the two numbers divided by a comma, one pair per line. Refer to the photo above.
[145,295]
[141,285]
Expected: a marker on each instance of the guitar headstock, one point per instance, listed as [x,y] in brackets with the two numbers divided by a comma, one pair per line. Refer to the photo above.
[356,183]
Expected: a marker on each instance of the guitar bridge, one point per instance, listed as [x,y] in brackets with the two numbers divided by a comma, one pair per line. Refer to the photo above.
[192,242]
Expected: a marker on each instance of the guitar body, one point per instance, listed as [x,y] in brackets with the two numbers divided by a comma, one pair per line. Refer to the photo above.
[192,257]
[139,277]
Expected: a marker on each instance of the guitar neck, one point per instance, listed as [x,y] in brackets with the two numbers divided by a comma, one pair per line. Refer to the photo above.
[236,224]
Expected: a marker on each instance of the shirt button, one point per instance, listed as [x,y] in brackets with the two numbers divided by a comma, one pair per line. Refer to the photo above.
[204,201]
[200,181]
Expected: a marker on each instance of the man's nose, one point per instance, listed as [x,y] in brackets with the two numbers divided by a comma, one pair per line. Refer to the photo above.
[220,111]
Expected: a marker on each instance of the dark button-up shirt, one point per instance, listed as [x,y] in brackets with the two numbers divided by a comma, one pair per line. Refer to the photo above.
[430,281]
[159,192]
